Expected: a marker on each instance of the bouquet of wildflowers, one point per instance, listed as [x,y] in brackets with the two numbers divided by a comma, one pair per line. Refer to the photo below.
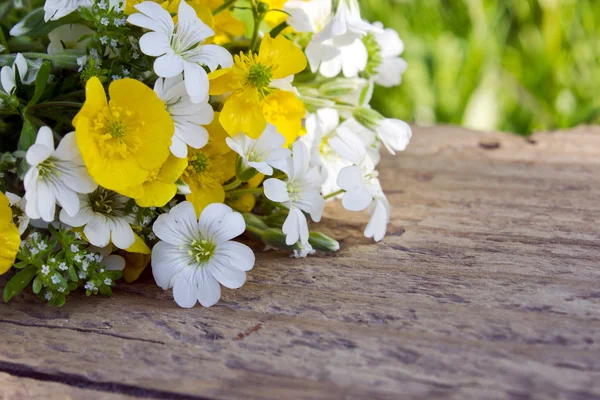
[153,133]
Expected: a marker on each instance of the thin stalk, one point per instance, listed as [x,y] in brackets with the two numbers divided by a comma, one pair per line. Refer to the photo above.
[56,104]
[330,195]
[224,6]
[240,192]
[232,185]
[257,21]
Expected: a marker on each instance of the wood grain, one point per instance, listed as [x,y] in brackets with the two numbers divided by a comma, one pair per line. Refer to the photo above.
[488,286]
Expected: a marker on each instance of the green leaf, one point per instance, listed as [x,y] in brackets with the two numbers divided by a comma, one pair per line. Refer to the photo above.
[41,80]
[37,285]
[28,135]
[106,291]
[19,282]
[34,26]
[60,301]
[72,274]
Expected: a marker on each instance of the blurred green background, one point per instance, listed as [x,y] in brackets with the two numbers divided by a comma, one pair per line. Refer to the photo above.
[513,65]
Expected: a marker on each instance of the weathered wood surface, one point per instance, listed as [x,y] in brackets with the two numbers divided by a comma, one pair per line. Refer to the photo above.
[488,286]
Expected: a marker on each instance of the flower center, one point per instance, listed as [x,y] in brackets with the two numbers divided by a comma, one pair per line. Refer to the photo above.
[374,51]
[103,201]
[198,163]
[47,167]
[294,193]
[260,76]
[117,129]
[255,156]
[201,250]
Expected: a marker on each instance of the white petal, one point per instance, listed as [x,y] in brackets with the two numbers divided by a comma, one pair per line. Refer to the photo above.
[178,147]
[227,276]
[83,217]
[185,289]
[301,159]
[178,225]
[378,223]
[355,59]
[276,190]
[97,231]
[7,79]
[331,68]
[45,138]
[196,80]
[351,178]
[295,227]
[390,43]
[38,153]
[209,291]
[21,64]
[67,149]
[78,179]
[236,255]
[395,134]
[212,56]
[168,66]
[68,200]
[389,73]
[154,44]
[156,18]
[167,262]
[349,146]
[220,223]
[121,234]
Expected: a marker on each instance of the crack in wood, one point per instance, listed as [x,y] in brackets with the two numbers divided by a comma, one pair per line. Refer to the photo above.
[83,330]
[82,382]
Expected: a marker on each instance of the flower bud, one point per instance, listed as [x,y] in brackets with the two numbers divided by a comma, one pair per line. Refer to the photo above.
[339,87]
[262,7]
[320,241]
[368,117]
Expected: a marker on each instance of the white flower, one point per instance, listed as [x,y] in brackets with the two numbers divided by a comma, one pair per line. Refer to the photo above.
[187,116]
[300,192]
[264,153]
[305,249]
[48,295]
[102,213]
[90,286]
[66,38]
[179,47]
[394,134]
[7,74]
[194,256]
[391,66]
[362,188]
[56,9]
[55,279]
[108,281]
[45,269]
[55,176]
[320,128]
[308,16]
[20,217]
[339,47]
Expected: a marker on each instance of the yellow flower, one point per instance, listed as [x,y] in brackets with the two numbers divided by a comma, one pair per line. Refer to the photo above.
[253,102]
[160,187]
[246,202]
[274,18]
[135,263]
[9,236]
[123,141]
[208,168]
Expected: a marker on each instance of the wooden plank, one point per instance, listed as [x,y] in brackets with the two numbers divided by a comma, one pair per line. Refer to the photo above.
[486,287]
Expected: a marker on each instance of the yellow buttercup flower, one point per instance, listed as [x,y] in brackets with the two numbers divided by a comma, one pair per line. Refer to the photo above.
[9,236]
[125,140]
[254,101]
[160,186]
[208,168]
[274,18]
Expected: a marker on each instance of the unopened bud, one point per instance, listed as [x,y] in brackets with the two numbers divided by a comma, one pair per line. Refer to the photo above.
[275,238]
[367,117]
[320,241]
[340,87]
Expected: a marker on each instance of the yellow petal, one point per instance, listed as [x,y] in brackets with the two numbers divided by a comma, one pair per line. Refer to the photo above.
[217,134]
[9,236]
[243,113]
[210,191]
[138,246]
[220,81]
[135,264]
[95,100]
[172,169]
[283,55]
[157,194]
[284,110]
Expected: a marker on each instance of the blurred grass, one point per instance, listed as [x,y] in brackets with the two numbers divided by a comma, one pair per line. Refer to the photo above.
[511,65]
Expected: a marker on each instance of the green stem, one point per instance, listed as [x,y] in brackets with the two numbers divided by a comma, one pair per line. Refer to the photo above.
[224,6]
[278,29]
[56,104]
[257,21]
[232,185]
[330,195]
[238,193]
